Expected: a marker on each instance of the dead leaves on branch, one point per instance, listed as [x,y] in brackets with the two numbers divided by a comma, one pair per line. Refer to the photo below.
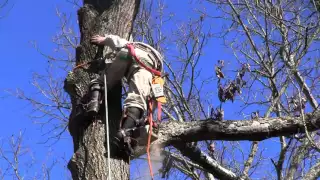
[228,91]
[218,69]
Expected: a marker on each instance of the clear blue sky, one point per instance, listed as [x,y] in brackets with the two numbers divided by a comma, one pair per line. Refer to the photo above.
[27,21]
[36,21]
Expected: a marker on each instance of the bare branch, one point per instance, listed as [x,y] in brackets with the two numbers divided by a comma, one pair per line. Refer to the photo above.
[314,172]
[253,130]
[205,161]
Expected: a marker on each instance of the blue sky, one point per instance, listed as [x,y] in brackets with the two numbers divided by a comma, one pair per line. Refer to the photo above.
[36,20]
[28,21]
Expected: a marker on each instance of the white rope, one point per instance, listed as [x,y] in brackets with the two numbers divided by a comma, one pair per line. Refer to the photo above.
[107,124]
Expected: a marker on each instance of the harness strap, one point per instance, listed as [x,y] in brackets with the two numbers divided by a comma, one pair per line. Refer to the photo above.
[159,111]
[133,54]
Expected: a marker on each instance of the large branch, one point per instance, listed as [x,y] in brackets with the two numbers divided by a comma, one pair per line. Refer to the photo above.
[173,132]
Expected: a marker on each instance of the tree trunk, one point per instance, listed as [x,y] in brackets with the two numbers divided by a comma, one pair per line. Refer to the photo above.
[89,160]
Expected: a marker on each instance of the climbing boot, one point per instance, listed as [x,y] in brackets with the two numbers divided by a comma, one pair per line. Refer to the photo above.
[95,97]
[125,142]
[125,138]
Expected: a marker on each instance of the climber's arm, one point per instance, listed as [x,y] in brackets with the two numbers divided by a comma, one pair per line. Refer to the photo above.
[113,41]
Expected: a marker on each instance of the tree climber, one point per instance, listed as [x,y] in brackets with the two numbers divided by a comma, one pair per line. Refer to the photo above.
[139,78]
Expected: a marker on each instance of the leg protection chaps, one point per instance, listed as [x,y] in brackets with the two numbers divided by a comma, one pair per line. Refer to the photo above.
[133,118]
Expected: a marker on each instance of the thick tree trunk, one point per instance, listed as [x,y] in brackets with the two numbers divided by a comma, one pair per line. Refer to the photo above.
[89,160]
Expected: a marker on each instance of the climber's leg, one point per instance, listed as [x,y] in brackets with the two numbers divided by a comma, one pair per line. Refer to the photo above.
[135,106]
[132,118]
[117,70]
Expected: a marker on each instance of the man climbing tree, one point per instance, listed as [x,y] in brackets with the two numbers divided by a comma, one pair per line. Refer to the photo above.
[138,62]
[89,161]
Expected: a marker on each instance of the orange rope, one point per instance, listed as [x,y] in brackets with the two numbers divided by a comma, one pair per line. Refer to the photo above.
[80,65]
[149,137]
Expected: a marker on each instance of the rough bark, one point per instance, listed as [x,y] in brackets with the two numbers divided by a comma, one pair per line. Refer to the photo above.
[89,160]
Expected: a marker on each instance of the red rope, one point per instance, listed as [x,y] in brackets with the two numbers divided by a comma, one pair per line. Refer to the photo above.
[133,54]
[159,111]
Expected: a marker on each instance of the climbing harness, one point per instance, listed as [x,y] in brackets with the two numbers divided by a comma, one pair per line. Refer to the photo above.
[133,54]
